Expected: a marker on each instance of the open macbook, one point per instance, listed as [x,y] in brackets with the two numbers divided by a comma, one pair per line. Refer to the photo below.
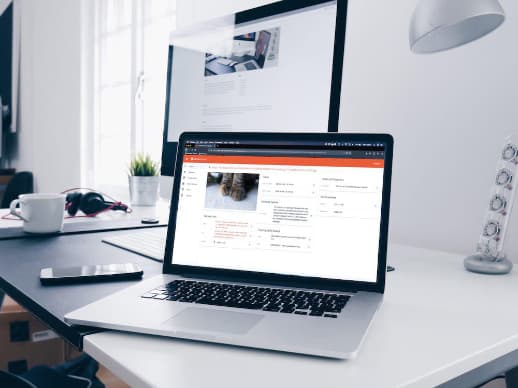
[261,50]
[275,241]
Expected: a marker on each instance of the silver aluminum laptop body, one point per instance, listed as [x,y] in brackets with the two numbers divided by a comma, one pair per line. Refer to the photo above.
[338,337]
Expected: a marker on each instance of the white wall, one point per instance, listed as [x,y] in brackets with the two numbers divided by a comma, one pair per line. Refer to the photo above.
[49,137]
[449,114]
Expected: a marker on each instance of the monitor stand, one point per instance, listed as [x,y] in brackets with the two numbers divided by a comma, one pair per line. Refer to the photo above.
[166,187]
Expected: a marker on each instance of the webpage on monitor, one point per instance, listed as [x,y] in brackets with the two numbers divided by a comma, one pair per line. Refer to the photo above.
[268,75]
[307,212]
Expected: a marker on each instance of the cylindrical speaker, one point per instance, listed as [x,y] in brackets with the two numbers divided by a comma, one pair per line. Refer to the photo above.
[490,257]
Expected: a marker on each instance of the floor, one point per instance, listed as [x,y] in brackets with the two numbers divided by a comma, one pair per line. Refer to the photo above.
[499,383]
[108,378]
[112,381]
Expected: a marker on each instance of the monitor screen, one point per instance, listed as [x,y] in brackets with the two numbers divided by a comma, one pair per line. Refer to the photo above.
[266,69]
[301,208]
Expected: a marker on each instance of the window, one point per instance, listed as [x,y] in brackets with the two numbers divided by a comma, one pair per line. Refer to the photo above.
[130,49]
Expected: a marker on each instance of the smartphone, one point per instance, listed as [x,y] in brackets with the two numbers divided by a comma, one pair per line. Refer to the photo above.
[90,273]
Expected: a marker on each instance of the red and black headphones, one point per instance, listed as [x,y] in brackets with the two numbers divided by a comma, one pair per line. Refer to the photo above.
[91,203]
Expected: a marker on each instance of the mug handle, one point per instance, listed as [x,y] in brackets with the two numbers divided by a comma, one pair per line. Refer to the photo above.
[15,212]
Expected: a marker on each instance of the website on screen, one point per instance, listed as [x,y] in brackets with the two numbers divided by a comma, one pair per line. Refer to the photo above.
[306,212]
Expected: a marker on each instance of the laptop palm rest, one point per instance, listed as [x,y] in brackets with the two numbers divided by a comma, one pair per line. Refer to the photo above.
[199,319]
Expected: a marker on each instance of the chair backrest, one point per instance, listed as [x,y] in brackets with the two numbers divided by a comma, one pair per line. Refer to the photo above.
[21,183]
[13,381]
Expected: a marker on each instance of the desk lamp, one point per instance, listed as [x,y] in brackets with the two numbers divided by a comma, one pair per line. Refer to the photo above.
[439,25]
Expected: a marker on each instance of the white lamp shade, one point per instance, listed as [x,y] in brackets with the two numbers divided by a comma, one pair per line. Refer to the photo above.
[439,25]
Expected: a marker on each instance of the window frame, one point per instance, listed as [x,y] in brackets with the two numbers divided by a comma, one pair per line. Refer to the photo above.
[92,40]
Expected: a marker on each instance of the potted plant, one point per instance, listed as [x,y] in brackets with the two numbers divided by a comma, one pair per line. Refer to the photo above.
[143,181]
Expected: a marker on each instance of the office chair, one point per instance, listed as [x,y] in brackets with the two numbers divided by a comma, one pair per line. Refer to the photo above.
[21,183]
[13,381]
[77,373]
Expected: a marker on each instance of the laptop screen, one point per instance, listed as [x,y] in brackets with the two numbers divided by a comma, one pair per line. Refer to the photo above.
[303,208]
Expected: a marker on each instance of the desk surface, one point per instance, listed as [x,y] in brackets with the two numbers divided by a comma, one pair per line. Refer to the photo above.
[437,322]
[22,259]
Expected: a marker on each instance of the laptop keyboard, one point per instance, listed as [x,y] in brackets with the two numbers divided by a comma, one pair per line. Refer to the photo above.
[317,304]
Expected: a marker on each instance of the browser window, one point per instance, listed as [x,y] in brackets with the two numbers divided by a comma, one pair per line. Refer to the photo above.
[265,75]
[307,209]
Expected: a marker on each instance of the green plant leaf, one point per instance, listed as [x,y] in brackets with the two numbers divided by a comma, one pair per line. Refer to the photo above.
[143,165]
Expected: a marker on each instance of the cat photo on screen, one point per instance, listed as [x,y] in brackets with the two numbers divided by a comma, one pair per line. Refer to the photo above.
[232,191]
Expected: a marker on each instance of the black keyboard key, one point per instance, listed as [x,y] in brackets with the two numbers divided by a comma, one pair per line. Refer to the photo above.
[287,309]
[250,306]
[316,313]
[203,300]
[301,312]
[328,307]
[330,315]
[333,310]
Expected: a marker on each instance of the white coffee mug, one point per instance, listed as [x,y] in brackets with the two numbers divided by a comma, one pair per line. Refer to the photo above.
[41,213]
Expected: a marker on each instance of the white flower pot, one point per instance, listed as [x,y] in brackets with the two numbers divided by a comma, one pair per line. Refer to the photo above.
[143,190]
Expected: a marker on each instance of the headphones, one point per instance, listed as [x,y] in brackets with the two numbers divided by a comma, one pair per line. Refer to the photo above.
[91,203]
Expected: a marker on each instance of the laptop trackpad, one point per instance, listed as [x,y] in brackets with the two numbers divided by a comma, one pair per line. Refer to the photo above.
[195,318]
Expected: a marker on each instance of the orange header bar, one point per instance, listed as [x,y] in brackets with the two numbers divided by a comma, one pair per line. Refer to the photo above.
[284,161]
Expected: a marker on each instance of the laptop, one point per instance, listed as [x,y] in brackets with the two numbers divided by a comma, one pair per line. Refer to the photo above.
[261,48]
[275,241]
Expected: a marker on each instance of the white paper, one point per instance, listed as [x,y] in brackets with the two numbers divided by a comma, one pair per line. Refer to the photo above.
[44,335]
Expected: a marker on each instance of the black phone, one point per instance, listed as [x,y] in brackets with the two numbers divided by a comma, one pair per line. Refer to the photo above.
[90,273]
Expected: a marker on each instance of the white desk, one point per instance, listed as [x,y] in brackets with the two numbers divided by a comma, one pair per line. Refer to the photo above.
[437,322]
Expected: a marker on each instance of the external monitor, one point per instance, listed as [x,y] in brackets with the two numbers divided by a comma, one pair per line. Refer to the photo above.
[275,68]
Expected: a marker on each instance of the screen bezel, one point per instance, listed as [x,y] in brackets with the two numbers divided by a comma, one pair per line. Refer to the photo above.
[277,279]
[169,148]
